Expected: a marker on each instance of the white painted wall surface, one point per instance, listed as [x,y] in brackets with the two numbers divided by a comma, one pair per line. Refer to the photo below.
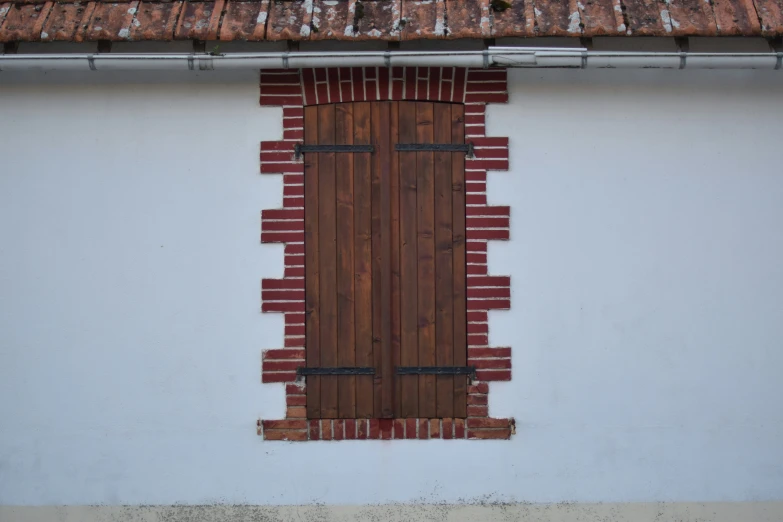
[647,321]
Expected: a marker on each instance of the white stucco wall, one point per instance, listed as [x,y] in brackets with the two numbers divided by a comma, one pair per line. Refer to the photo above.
[647,319]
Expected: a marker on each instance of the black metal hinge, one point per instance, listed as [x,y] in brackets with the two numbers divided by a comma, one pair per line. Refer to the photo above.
[300,148]
[467,148]
[436,370]
[336,371]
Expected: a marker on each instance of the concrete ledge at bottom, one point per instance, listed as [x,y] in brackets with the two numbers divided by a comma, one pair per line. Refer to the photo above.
[489,511]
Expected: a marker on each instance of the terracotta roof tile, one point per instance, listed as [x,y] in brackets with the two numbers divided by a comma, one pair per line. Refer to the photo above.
[468,18]
[423,19]
[289,20]
[518,19]
[771,14]
[73,20]
[691,18]
[199,20]
[24,22]
[644,17]
[111,21]
[736,17]
[332,19]
[598,18]
[155,21]
[379,20]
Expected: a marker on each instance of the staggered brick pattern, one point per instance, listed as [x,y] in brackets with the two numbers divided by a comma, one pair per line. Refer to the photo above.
[293,90]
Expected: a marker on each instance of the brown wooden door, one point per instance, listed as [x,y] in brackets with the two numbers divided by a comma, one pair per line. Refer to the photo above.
[385,260]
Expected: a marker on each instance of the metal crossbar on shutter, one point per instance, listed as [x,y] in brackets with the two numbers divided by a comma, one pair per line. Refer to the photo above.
[467,148]
[300,148]
[436,370]
[353,370]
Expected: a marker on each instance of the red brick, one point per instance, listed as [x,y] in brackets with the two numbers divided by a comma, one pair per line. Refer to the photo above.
[315,430]
[399,428]
[295,318]
[471,222]
[486,164]
[434,87]
[434,428]
[424,428]
[488,423]
[282,237]
[492,233]
[282,295]
[489,281]
[490,434]
[484,75]
[295,329]
[475,199]
[480,387]
[358,83]
[486,97]
[477,270]
[477,258]
[487,87]
[477,411]
[294,342]
[493,292]
[293,134]
[477,399]
[296,400]
[493,375]
[350,429]
[475,188]
[283,354]
[459,429]
[478,340]
[285,90]
[489,352]
[293,202]
[448,429]
[475,119]
[477,316]
[277,146]
[295,248]
[410,428]
[375,429]
[282,213]
[285,424]
[339,429]
[283,306]
[296,412]
[491,153]
[386,426]
[410,83]
[459,86]
[293,112]
[308,82]
[476,246]
[272,101]
[283,156]
[293,123]
[363,428]
[282,168]
[294,271]
[490,364]
[292,435]
[294,389]
[326,429]
[278,376]
[282,226]
[278,366]
[383,83]
[478,328]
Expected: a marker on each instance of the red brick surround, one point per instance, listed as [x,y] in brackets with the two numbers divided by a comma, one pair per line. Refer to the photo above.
[293,89]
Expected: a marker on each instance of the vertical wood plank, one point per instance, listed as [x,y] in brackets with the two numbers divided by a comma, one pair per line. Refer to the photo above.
[328,258]
[377,317]
[346,385]
[384,159]
[425,202]
[409,352]
[312,288]
[395,253]
[363,258]
[459,261]
[444,305]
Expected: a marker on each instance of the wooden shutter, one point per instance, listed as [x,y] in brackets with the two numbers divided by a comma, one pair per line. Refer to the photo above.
[385,260]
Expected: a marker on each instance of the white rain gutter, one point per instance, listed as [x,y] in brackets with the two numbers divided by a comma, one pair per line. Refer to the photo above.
[492,57]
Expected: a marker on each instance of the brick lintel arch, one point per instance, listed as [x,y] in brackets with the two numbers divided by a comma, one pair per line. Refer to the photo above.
[295,89]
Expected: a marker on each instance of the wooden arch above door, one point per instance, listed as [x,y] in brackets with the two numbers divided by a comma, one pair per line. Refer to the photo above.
[385,261]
